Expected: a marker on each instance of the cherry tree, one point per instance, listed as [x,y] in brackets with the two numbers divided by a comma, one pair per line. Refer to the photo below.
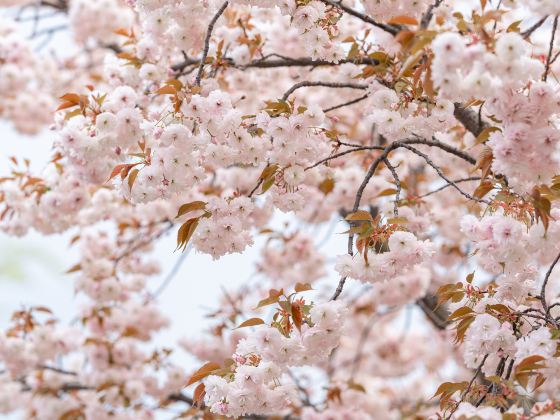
[425,131]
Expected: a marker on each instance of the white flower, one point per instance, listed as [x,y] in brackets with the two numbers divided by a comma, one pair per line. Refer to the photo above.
[510,47]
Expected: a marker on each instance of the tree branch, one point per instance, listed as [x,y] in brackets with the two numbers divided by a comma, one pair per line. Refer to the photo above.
[526,34]
[542,296]
[207,42]
[393,30]
[352,102]
[550,49]
[397,184]
[307,83]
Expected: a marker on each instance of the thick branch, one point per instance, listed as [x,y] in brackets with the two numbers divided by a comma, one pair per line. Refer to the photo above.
[279,62]
[436,316]
[469,119]
[427,18]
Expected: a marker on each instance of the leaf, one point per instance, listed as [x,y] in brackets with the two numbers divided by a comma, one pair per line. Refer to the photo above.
[198,395]
[273,296]
[460,313]
[515,26]
[74,268]
[484,161]
[530,363]
[177,84]
[251,323]
[65,105]
[132,177]
[192,206]
[302,287]
[403,20]
[542,208]
[185,232]
[485,135]
[167,90]
[356,387]
[528,368]
[498,307]
[297,316]
[463,327]
[360,215]
[387,192]
[269,171]
[71,97]
[203,372]
[123,169]
[43,309]
[326,186]
[447,389]
[398,220]
[484,188]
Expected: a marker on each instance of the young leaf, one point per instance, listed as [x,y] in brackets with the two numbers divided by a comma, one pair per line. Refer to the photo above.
[188,207]
[203,372]
[251,323]
[302,287]
[198,395]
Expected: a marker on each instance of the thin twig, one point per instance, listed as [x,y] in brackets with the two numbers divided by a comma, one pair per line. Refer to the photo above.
[457,181]
[307,83]
[387,28]
[550,49]
[172,273]
[441,174]
[469,386]
[352,102]
[397,184]
[542,296]
[207,42]
[337,155]
[526,34]
[393,146]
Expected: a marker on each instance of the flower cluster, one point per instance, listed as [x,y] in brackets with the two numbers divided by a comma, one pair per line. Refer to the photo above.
[525,151]
[462,71]
[501,243]
[261,359]
[110,16]
[24,81]
[405,251]
[395,121]
[385,11]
